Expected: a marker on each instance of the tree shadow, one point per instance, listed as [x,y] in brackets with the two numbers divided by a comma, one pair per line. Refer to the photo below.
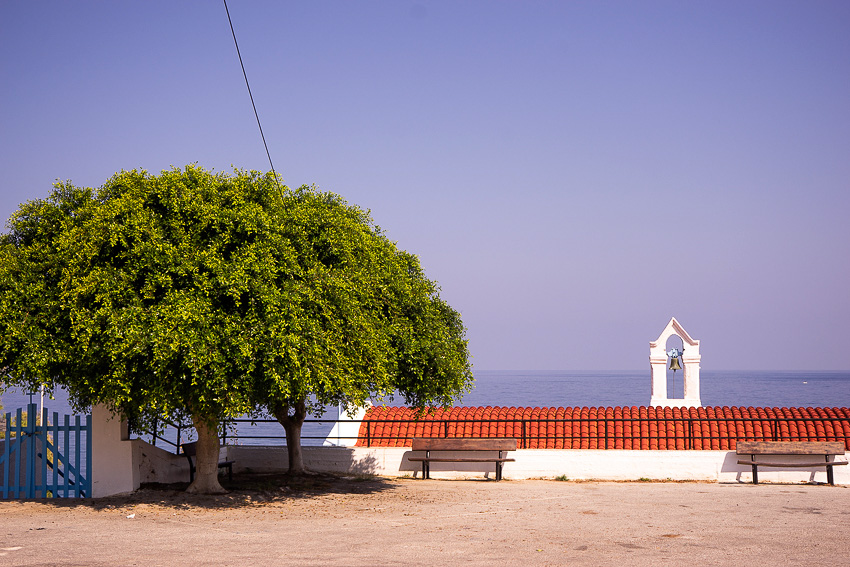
[245,490]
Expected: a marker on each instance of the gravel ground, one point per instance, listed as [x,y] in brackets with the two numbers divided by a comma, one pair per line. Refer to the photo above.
[323,520]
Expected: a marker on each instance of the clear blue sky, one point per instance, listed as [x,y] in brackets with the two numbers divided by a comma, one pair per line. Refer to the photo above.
[572,173]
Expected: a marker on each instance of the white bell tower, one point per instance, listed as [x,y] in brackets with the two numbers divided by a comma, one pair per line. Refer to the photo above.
[658,363]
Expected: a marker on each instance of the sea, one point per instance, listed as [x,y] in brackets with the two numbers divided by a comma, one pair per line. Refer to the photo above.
[554,388]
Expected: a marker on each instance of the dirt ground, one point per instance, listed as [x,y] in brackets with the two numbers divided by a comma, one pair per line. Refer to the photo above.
[324,520]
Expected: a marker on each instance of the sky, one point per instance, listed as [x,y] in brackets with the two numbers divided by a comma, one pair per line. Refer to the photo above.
[573,174]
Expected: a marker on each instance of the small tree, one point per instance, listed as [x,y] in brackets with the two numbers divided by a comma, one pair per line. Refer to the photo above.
[361,321]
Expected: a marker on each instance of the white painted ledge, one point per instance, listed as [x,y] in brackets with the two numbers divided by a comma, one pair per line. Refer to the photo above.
[576,464]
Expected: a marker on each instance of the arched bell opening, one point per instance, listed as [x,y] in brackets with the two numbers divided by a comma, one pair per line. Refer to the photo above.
[669,392]
[674,348]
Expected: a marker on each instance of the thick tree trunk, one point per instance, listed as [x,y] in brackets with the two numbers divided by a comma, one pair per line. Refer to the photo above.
[206,459]
[292,418]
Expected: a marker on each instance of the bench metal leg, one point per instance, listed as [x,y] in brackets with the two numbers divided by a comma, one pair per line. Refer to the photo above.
[755,474]
[829,477]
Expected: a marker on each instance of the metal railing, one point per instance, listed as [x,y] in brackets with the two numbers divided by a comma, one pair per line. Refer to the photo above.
[161,424]
[174,434]
[682,433]
[610,432]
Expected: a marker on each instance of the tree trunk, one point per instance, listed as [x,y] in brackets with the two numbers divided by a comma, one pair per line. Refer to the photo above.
[206,459]
[292,418]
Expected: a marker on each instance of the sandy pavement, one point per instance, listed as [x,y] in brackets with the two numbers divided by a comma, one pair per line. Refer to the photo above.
[379,521]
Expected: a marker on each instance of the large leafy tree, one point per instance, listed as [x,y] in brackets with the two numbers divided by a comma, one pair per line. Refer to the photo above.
[358,319]
[210,296]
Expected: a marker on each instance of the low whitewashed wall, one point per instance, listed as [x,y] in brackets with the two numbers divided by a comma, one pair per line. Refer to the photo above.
[120,464]
[158,465]
[576,464]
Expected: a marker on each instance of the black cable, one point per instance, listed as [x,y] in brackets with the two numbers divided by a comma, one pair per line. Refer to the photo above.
[244,74]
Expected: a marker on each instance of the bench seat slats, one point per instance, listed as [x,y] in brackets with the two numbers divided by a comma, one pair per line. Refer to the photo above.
[790,448]
[463,444]
[782,465]
[461,460]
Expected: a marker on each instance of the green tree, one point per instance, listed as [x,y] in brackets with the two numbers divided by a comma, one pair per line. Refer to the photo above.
[124,296]
[210,296]
[361,321]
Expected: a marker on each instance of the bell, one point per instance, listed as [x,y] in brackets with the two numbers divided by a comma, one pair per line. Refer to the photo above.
[674,364]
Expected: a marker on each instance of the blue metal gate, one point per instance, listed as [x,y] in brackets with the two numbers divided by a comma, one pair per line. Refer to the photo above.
[45,459]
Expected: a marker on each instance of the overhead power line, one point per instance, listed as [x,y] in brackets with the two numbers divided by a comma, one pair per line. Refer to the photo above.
[244,74]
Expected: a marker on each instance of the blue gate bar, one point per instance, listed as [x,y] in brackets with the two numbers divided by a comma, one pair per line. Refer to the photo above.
[88,482]
[67,430]
[56,455]
[19,435]
[77,455]
[7,448]
[29,481]
[43,442]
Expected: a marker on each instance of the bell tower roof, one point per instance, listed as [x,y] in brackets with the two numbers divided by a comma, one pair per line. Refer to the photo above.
[673,328]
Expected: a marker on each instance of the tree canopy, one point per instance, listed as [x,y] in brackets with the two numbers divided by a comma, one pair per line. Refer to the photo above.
[207,295]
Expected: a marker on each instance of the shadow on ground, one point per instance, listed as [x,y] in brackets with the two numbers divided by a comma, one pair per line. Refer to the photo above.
[246,489]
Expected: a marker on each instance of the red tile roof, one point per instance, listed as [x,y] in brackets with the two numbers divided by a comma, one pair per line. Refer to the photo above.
[633,427]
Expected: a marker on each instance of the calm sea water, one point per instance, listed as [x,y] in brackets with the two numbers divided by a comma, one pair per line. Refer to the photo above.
[624,388]
[562,388]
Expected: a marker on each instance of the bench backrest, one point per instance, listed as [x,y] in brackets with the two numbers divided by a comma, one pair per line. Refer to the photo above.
[189,449]
[790,448]
[464,444]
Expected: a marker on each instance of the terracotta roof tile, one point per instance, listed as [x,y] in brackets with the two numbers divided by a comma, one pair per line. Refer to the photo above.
[608,428]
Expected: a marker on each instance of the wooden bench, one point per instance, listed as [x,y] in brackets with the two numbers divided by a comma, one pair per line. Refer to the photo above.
[464,445]
[758,449]
[190,450]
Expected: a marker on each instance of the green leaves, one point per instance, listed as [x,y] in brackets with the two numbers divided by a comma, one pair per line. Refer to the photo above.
[217,295]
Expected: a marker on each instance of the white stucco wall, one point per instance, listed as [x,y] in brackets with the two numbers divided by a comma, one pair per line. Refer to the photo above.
[124,464]
[119,465]
[114,468]
[158,465]
[716,466]
[346,431]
